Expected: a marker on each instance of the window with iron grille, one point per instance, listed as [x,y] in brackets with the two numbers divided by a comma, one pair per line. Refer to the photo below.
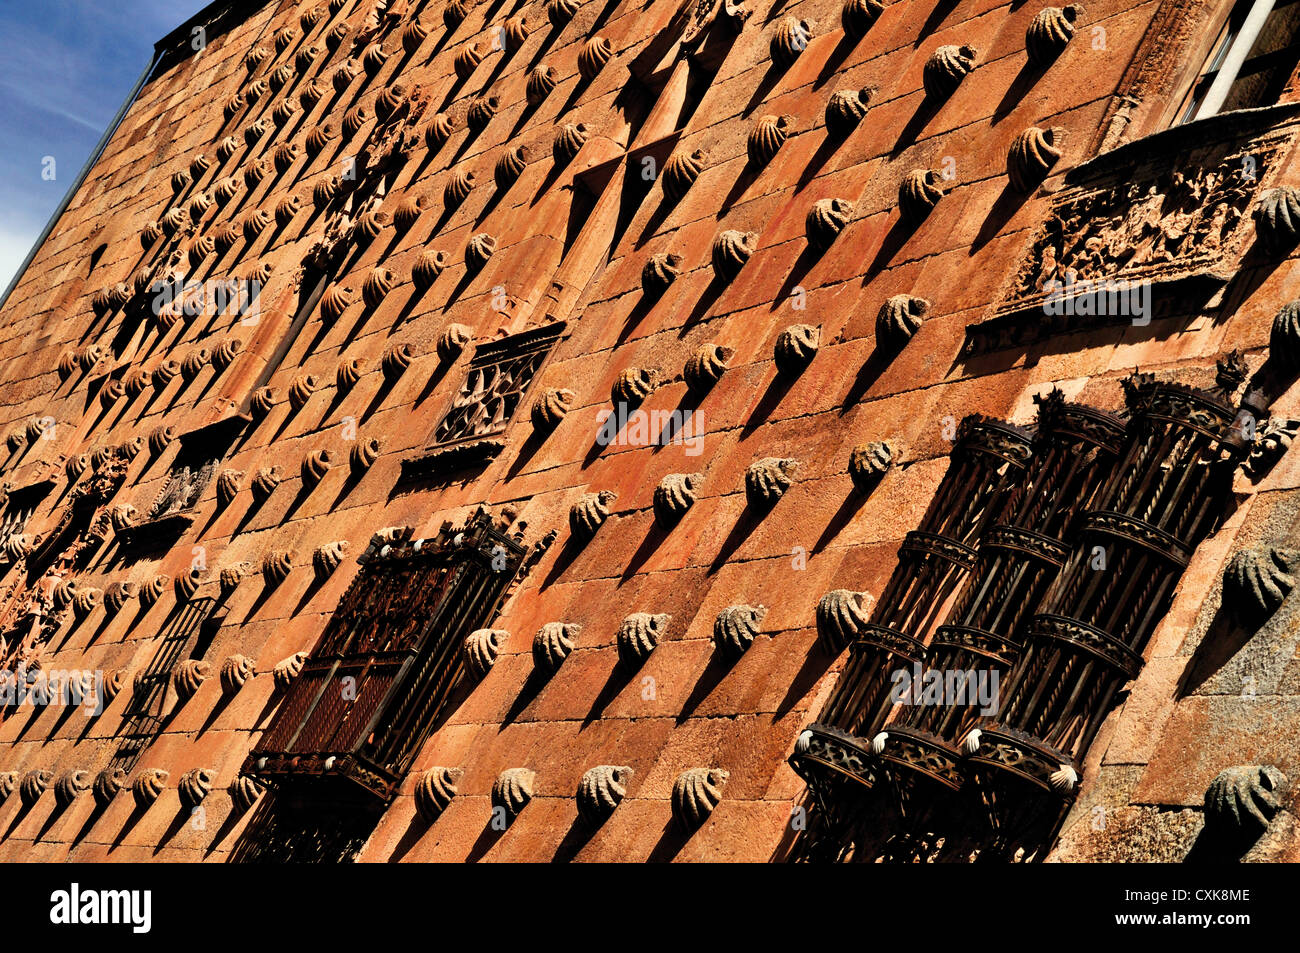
[388,663]
[1252,59]
[495,384]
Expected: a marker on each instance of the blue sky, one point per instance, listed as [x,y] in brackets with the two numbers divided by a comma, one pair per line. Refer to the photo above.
[65,68]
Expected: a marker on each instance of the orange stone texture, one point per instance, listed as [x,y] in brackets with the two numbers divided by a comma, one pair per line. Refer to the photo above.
[583,138]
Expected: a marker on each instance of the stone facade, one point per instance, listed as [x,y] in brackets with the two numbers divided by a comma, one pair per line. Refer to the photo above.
[640,348]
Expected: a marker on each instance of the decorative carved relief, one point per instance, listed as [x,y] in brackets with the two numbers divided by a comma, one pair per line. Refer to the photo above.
[189,676]
[1277,218]
[435,791]
[826,219]
[276,566]
[1050,33]
[589,513]
[288,669]
[244,792]
[513,790]
[479,250]
[1242,801]
[152,590]
[766,137]
[452,342]
[600,791]
[638,635]
[674,495]
[427,268]
[1031,157]
[1271,442]
[482,647]
[480,112]
[363,455]
[552,645]
[841,618]
[70,785]
[706,367]
[550,407]
[680,172]
[697,791]
[194,786]
[790,38]
[796,347]
[945,69]
[107,785]
[593,56]
[1257,581]
[187,583]
[899,318]
[731,249]
[736,627]
[918,193]
[148,785]
[315,465]
[510,166]
[868,465]
[767,480]
[236,670]
[659,272]
[458,188]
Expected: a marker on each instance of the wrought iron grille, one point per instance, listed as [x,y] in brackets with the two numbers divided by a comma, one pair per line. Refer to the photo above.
[389,660]
[145,712]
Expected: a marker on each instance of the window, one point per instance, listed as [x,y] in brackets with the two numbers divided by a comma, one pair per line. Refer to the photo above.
[1250,62]
[389,660]
[195,465]
[495,384]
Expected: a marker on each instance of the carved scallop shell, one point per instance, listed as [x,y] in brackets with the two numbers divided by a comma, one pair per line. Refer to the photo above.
[353,120]
[659,272]
[510,166]
[300,390]
[227,147]
[795,347]
[255,223]
[344,75]
[1031,157]
[845,109]
[552,645]
[540,83]
[869,463]
[264,482]
[231,576]
[70,785]
[481,111]
[706,367]
[918,193]
[152,590]
[455,12]
[228,484]
[1284,338]
[277,565]
[260,403]
[33,785]
[189,675]
[680,172]
[593,56]
[600,791]
[373,59]
[452,342]
[479,249]
[329,557]
[857,16]
[898,319]
[148,785]
[841,617]
[363,455]
[731,249]
[550,407]
[315,144]
[435,791]
[395,360]
[826,219]
[633,385]
[1277,218]
[194,786]
[589,512]
[1241,801]
[288,669]
[76,466]
[17,546]
[194,363]
[568,141]
[767,480]
[252,133]
[458,188]
[696,792]
[790,38]
[244,792]
[8,781]
[945,69]
[736,627]
[674,495]
[113,391]
[118,594]
[413,36]
[389,101]
[638,635]
[466,61]
[187,583]
[766,137]
[284,111]
[375,288]
[236,670]
[513,790]
[106,786]
[315,465]
[560,12]
[334,302]
[1050,33]
[348,373]
[482,647]
[407,213]
[427,268]
[1257,581]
